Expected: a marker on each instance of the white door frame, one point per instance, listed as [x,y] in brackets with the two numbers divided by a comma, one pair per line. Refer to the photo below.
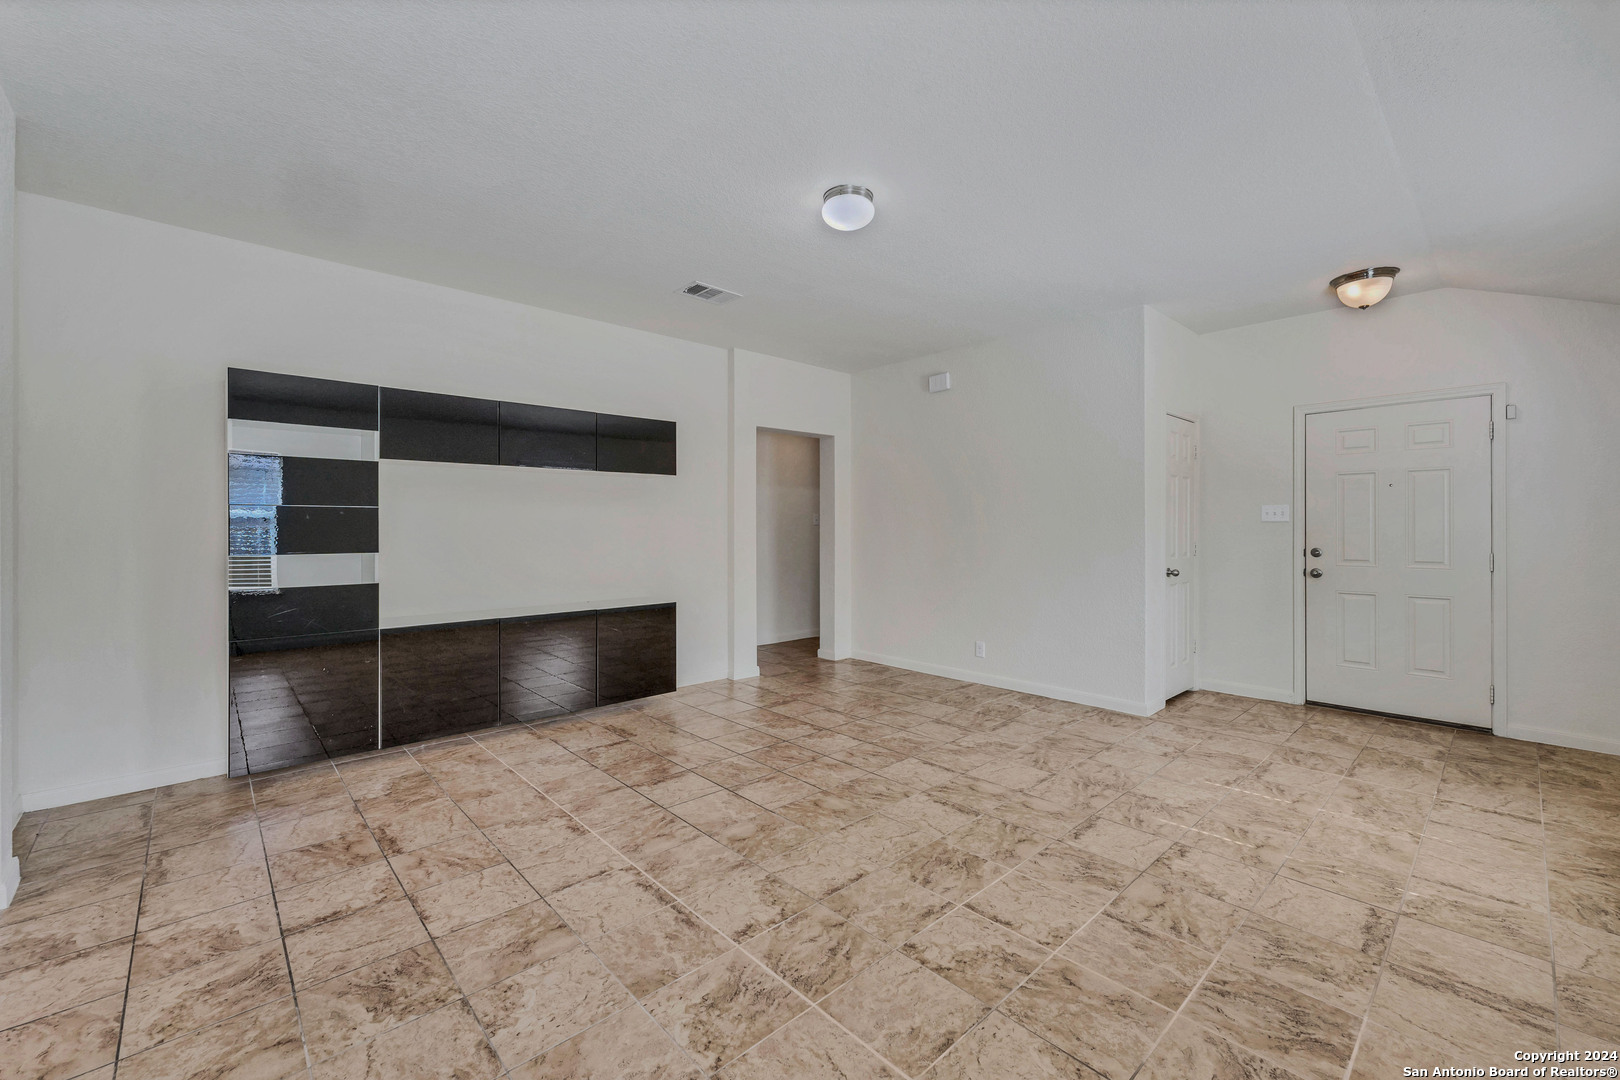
[1497,392]
[1197,530]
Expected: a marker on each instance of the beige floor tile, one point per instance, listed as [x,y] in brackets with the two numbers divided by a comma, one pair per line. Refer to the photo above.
[203,892]
[999,1049]
[1182,913]
[723,1008]
[657,949]
[178,945]
[28,993]
[1462,907]
[331,898]
[263,1043]
[608,901]
[541,1006]
[1161,968]
[822,866]
[1043,913]
[888,905]
[305,864]
[1382,1053]
[237,846]
[1365,864]
[882,839]
[64,1044]
[817,950]
[1586,949]
[445,861]
[497,948]
[1301,1033]
[627,1044]
[904,1011]
[445,1043]
[359,1004]
[949,871]
[71,931]
[399,829]
[747,902]
[978,956]
[809,1047]
[1119,843]
[997,841]
[1589,1004]
[1099,1022]
[1234,882]
[1331,973]
[197,996]
[1351,923]
[1191,1051]
[472,898]
[331,948]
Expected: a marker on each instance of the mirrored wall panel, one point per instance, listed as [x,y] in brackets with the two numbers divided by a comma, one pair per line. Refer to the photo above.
[301,569]
[317,667]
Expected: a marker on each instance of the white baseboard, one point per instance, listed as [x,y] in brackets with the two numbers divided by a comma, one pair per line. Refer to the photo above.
[1264,693]
[1602,744]
[120,785]
[1061,693]
[788,635]
[10,878]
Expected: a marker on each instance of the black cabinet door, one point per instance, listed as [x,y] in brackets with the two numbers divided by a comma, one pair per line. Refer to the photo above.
[439,427]
[635,653]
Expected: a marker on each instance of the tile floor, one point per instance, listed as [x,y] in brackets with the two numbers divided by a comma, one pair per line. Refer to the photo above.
[836,870]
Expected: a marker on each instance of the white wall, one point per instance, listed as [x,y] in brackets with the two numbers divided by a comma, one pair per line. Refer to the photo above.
[771,393]
[788,554]
[8,533]
[1010,510]
[126,329]
[1561,362]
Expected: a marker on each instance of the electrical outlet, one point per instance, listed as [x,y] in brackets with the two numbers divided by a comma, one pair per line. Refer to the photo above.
[815,518]
[978,649]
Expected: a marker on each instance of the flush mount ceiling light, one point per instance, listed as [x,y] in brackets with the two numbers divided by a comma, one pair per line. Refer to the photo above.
[1364,288]
[847,207]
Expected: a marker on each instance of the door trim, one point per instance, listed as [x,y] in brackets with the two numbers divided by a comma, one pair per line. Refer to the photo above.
[1497,392]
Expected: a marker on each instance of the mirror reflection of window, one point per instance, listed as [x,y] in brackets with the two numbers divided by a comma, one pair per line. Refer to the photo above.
[255,492]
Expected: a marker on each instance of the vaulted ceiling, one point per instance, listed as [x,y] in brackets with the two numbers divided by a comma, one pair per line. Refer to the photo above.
[1031,161]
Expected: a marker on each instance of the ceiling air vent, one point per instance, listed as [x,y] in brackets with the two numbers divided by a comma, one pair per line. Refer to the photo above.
[710,293]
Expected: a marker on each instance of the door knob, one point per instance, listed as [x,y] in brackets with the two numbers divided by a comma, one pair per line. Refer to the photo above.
[1172,573]
[1316,553]
[1316,573]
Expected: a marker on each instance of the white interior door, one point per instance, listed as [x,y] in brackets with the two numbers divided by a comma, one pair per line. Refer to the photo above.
[1398,559]
[1180,538]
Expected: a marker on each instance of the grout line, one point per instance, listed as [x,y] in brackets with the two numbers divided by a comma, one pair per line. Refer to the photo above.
[134,935]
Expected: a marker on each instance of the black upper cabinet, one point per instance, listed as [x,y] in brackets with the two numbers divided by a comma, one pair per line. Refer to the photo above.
[631,444]
[542,437]
[439,427]
[328,482]
[295,399]
[321,530]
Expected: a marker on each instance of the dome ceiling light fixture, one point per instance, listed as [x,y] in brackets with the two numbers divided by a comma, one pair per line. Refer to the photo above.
[1364,288]
[847,207]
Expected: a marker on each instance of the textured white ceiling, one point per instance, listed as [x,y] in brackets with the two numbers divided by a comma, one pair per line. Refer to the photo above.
[1031,161]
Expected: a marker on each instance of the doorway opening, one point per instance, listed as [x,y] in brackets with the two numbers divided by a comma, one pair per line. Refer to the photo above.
[787,522]
[1180,554]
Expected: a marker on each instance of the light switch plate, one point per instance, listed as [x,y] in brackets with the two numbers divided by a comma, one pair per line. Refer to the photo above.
[1274,513]
[939,382]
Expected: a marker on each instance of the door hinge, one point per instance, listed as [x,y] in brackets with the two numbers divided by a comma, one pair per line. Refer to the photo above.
[1195,451]
[1493,695]
[1493,429]
[1493,562]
